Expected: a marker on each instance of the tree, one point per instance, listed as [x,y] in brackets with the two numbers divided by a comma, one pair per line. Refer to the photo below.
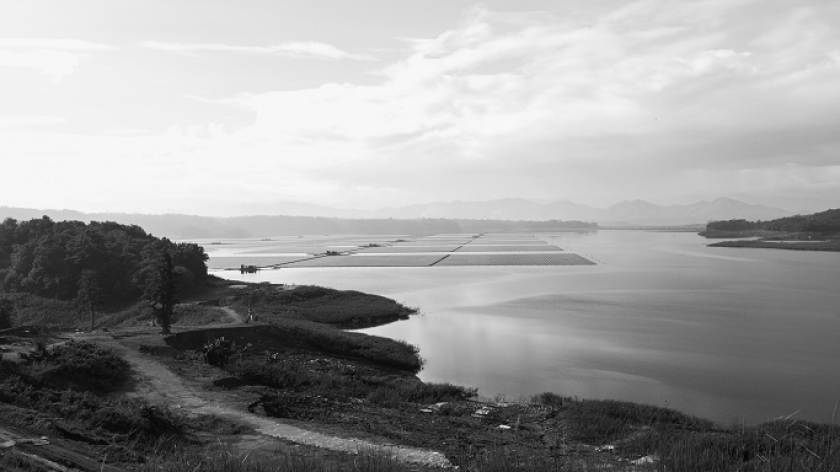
[161,290]
[7,313]
[89,294]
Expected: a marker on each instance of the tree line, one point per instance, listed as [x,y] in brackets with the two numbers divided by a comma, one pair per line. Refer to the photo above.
[825,222]
[199,227]
[97,263]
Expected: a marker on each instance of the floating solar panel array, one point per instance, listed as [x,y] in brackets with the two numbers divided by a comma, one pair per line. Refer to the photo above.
[449,250]
[404,249]
[505,248]
[533,259]
[402,260]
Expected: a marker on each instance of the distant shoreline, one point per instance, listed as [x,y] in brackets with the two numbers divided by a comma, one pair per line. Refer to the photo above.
[829,245]
[766,239]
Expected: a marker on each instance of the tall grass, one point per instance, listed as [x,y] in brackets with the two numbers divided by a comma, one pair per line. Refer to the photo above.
[193,460]
[379,389]
[383,351]
[683,443]
[70,383]
[784,445]
[602,421]
[347,308]
[82,366]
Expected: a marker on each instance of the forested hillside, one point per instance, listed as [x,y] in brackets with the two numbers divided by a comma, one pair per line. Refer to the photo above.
[53,259]
[825,222]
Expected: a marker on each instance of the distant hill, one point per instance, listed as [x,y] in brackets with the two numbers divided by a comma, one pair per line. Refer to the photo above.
[630,213]
[510,214]
[639,211]
[825,223]
[502,209]
[200,227]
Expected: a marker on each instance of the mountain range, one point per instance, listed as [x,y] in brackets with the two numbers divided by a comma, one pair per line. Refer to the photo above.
[635,212]
[300,218]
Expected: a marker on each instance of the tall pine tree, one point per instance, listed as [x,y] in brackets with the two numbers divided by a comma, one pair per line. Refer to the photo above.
[160,289]
[89,294]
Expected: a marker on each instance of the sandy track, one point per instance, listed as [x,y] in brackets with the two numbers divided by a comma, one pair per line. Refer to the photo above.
[158,384]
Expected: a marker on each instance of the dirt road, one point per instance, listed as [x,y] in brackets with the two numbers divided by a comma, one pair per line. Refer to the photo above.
[158,384]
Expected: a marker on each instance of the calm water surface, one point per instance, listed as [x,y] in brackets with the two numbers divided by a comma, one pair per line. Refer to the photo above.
[725,333]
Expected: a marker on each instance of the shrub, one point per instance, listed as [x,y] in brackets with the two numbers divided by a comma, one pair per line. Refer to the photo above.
[220,351]
[550,399]
[81,365]
[114,419]
[606,420]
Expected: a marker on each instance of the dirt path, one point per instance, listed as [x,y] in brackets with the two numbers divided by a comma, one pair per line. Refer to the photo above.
[158,384]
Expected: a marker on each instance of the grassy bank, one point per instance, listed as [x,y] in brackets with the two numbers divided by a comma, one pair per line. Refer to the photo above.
[726,234]
[293,336]
[270,303]
[340,308]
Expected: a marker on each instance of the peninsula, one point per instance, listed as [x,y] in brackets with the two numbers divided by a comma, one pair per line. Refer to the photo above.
[815,232]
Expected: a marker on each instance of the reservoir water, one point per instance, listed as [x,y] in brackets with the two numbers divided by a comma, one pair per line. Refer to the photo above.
[725,333]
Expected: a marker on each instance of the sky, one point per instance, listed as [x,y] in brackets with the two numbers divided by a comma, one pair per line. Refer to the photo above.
[179,106]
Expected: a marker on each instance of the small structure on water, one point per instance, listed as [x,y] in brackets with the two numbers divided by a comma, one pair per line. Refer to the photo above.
[247,269]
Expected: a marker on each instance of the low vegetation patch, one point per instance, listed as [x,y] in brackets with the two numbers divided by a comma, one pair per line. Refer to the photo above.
[602,421]
[382,351]
[79,365]
[334,378]
[198,314]
[344,308]
[69,383]
[195,459]
[32,310]
[673,441]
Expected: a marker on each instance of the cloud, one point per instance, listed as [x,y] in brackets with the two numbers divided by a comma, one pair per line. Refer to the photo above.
[53,43]
[57,58]
[125,131]
[310,49]
[57,64]
[31,120]
[656,87]
[653,99]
